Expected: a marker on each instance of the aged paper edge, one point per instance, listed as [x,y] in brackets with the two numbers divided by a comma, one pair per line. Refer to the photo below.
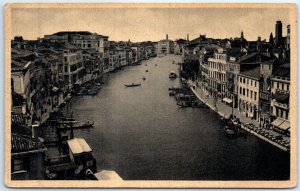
[152,184]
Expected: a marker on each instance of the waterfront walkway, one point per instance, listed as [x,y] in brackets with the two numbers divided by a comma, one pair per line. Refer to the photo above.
[226,110]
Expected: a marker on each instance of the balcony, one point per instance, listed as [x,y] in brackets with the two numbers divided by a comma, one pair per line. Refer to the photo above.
[281,105]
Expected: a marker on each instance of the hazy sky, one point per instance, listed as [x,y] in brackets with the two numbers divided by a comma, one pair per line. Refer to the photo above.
[141,24]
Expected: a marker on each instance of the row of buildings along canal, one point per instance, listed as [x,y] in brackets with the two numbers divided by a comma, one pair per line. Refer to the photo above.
[48,71]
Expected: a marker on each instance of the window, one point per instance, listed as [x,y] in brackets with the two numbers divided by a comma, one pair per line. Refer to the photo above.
[282,86]
[251,92]
[288,86]
[18,165]
[247,81]
[247,93]
[241,79]
[240,90]
[66,68]
[255,94]
[277,85]
[255,84]
[244,80]
[243,91]
[251,82]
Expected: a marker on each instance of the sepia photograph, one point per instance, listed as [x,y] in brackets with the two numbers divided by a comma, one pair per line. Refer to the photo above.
[150,95]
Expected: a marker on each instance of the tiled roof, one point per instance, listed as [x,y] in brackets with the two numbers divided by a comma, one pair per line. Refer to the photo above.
[72,32]
[17,118]
[22,144]
[282,70]
[253,72]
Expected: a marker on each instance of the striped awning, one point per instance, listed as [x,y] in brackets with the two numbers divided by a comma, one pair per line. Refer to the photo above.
[285,125]
[277,122]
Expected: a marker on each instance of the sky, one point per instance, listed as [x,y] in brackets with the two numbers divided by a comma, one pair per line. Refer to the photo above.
[143,24]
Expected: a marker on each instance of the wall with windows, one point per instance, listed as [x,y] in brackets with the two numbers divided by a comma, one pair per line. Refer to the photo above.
[248,96]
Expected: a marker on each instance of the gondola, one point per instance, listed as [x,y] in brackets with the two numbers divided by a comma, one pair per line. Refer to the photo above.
[132,85]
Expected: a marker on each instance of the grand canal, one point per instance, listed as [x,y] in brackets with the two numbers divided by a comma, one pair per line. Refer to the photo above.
[142,134]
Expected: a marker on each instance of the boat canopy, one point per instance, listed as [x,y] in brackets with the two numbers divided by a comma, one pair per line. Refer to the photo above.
[107,175]
[172,72]
[78,146]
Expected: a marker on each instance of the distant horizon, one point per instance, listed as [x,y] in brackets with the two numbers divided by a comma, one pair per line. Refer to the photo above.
[150,24]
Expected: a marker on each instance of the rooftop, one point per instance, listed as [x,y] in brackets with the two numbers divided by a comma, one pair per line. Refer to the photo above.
[22,144]
[253,72]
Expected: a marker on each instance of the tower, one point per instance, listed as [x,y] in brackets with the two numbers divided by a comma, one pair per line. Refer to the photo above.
[242,35]
[278,33]
[271,39]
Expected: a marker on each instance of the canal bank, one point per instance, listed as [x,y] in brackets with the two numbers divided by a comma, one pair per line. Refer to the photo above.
[224,110]
[142,134]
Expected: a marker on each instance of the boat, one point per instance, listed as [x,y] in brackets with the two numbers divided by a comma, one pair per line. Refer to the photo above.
[172,93]
[85,125]
[147,70]
[132,85]
[183,104]
[144,78]
[172,75]
[229,131]
[92,91]
[67,120]
[155,64]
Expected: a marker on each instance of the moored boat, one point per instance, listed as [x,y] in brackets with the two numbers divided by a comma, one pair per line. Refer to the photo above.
[85,125]
[132,85]
[172,75]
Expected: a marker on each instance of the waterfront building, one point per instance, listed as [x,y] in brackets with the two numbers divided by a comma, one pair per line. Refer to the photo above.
[165,46]
[128,55]
[113,61]
[93,65]
[121,54]
[204,54]
[217,67]
[248,93]
[255,70]
[280,92]
[27,159]
[266,69]
[73,69]
[233,69]
[21,74]
[84,40]
[178,46]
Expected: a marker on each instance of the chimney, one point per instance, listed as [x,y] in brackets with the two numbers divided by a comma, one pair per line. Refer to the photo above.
[167,37]
[187,37]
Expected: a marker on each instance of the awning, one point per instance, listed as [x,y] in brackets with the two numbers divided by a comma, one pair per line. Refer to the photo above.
[281,97]
[107,175]
[227,100]
[78,146]
[277,122]
[285,125]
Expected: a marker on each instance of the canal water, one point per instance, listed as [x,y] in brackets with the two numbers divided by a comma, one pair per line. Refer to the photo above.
[142,134]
